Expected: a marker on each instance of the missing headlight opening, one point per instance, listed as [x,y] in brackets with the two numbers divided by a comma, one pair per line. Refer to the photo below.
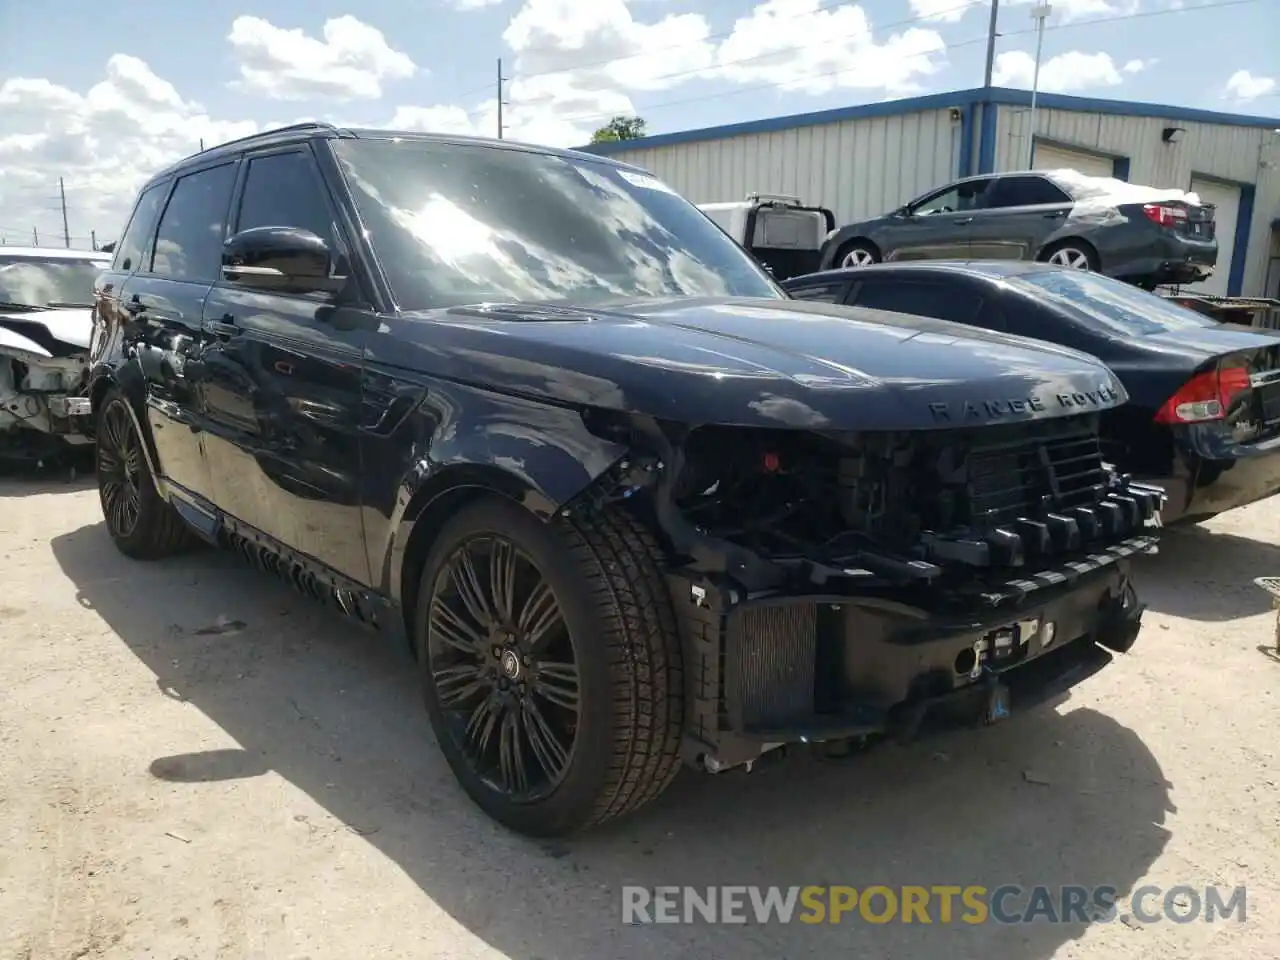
[947,507]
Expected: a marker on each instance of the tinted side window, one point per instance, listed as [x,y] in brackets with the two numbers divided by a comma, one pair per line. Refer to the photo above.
[826,292]
[189,242]
[963,196]
[1026,191]
[943,302]
[285,190]
[141,225]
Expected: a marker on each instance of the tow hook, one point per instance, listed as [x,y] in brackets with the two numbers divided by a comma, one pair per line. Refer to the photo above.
[1123,622]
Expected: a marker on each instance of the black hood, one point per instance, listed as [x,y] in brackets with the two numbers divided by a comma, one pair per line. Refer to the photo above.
[768,363]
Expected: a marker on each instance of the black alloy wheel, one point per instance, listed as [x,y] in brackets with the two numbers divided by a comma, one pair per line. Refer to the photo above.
[551,663]
[504,668]
[141,523]
[120,470]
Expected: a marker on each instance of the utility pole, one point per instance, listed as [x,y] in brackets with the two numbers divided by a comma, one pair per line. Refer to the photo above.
[501,78]
[202,144]
[991,44]
[66,230]
[35,237]
[1040,12]
[93,239]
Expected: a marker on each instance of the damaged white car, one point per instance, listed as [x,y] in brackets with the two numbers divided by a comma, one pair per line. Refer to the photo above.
[46,307]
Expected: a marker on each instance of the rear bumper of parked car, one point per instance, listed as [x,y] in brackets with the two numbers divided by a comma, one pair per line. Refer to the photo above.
[1199,487]
[1172,259]
[766,672]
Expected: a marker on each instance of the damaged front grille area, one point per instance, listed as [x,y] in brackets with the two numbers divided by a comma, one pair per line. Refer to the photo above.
[953,505]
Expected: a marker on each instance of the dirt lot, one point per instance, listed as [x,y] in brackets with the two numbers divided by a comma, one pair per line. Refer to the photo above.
[274,791]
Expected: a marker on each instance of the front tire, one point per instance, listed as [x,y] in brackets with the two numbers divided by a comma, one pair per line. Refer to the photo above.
[141,524]
[551,665]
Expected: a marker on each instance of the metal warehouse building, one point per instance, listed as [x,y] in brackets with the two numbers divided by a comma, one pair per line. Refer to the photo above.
[866,160]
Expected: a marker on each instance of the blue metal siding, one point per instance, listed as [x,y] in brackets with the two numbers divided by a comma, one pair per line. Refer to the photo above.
[960,98]
[1240,252]
[965,165]
[987,139]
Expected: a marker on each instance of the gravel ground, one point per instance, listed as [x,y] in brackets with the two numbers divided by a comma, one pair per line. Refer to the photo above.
[275,792]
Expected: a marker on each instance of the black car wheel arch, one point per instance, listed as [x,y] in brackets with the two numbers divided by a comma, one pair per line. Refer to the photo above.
[141,523]
[595,609]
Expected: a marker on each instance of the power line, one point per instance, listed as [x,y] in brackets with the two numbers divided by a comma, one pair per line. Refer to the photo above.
[830,73]
[832,4]
[821,8]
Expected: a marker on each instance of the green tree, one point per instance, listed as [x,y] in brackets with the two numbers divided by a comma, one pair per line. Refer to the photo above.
[619,128]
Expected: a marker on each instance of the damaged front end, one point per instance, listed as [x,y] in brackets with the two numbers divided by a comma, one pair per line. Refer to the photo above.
[39,413]
[836,586]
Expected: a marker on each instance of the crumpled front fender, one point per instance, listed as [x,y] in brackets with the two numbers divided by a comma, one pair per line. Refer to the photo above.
[424,443]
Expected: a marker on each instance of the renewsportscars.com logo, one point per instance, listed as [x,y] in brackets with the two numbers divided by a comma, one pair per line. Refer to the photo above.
[938,904]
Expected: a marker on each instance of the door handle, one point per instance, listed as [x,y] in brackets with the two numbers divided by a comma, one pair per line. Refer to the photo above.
[964,220]
[220,329]
[1054,216]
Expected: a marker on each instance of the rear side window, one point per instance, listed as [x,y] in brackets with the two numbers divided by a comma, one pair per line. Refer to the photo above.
[825,293]
[923,299]
[141,226]
[189,241]
[285,190]
[1025,192]
[1112,306]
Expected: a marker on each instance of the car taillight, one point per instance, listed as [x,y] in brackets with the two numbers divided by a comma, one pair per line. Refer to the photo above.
[1206,396]
[1163,215]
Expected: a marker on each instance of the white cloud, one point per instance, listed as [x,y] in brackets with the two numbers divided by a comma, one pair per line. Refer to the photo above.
[797,45]
[944,11]
[1066,11]
[350,63]
[603,44]
[1137,66]
[474,4]
[1065,73]
[104,143]
[574,63]
[1243,85]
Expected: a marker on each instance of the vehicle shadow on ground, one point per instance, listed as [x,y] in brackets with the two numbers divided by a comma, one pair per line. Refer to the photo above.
[67,475]
[1208,576]
[1049,798]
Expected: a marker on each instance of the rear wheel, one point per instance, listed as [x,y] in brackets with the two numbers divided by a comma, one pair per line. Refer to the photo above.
[1073,254]
[551,665]
[859,253]
[142,525]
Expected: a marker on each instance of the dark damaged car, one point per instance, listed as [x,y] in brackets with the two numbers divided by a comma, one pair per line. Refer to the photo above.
[625,502]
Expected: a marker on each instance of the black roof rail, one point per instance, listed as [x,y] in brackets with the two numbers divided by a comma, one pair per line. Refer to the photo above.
[310,126]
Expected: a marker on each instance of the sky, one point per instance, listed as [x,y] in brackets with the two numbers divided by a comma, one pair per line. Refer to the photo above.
[103,96]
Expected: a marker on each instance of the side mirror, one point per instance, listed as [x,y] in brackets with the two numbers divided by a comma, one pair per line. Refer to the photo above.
[285,259]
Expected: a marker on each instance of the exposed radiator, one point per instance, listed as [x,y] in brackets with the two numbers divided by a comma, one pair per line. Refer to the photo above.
[770,668]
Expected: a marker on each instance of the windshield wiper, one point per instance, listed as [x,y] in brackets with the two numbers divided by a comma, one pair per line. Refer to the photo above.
[26,307]
[54,304]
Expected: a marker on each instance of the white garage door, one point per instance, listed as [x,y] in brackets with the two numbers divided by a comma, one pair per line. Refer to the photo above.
[1056,158]
[1227,201]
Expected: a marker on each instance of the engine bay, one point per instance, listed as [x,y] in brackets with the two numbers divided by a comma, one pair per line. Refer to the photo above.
[958,508]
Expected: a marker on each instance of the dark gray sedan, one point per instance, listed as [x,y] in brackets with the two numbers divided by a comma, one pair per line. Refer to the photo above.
[1138,234]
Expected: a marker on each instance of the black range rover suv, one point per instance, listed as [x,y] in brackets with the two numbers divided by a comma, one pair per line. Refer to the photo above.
[625,503]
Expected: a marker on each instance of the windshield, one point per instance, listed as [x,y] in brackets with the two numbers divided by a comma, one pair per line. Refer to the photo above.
[60,281]
[453,224]
[1112,305]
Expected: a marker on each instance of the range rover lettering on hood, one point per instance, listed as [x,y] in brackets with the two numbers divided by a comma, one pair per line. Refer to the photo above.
[997,409]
